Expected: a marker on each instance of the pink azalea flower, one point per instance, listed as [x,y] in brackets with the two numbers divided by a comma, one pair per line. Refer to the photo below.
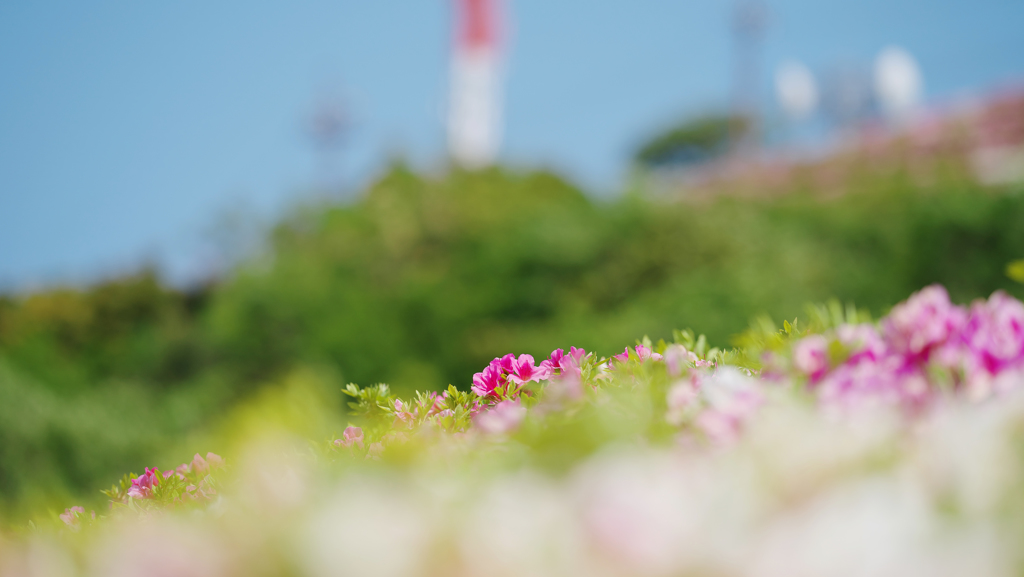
[555,361]
[645,353]
[352,436]
[810,356]
[720,427]
[206,489]
[199,465]
[215,461]
[190,492]
[995,332]
[476,408]
[485,382]
[70,517]
[504,417]
[570,368]
[438,404]
[564,363]
[923,323]
[642,352]
[507,363]
[863,342]
[524,371]
[676,356]
[142,486]
[682,398]
[731,399]
[567,385]
[441,415]
[403,416]
[888,381]
[991,347]
[375,451]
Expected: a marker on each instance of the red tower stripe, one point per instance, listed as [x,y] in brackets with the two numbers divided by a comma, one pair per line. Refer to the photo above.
[478,23]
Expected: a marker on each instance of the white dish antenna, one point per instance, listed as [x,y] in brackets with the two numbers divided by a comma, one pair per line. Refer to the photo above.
[898,82]
[796,90]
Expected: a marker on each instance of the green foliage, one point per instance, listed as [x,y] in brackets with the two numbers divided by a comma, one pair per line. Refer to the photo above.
[422,281]
[127,328]
[369,401]
[692,141]
[1015,270]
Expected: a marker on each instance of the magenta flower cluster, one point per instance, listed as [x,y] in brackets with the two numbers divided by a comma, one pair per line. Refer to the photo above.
[642,352]
[924,344]
[144,486]
[503,371]
[509,374]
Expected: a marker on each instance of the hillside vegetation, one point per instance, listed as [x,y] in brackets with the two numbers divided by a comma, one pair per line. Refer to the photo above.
[423,280]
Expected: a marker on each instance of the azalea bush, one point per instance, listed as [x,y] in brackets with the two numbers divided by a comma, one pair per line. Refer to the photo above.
[832,446]
[422,279]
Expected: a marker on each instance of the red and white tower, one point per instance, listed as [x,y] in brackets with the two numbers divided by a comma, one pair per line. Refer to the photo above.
[474,108]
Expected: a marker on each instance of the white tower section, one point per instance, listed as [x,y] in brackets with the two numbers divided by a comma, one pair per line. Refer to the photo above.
[474,109]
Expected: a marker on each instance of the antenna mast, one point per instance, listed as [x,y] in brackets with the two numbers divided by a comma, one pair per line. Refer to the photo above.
[474,109]
[748,25]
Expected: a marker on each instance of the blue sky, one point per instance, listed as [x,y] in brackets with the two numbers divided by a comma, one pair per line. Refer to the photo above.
[126,128]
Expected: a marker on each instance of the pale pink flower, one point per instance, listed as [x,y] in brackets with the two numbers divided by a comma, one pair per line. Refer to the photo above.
[403,416]
[440,416]
[720,427]
[731,399]
[199,465]
[642,352]
[206,488]
[682,399]
[438,402]
[375,451]
[214,460]
[477,407]
[570,369]
[810,356]
[501,418]
[676,357]
[645,353]
[604,370]
[71,517]
[352,436]
[566,385]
